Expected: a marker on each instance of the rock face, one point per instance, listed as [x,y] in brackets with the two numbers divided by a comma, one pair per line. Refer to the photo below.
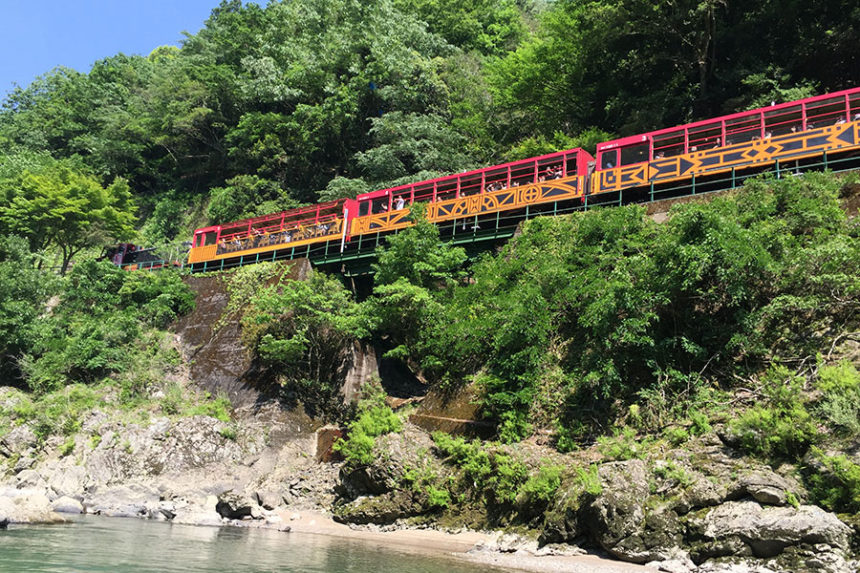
[184,470]
[747,528]
[376,493]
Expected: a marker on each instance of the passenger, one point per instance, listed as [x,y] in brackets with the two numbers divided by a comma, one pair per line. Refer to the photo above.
[559,172]
[768,134]
[660,155]
[717,143]
[840,121]
[550,173]
[399,203]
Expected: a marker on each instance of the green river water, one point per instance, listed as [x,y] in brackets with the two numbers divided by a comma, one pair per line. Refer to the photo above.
[117,545]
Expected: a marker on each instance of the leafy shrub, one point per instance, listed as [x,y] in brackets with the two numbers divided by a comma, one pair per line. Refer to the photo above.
[219,408]
[67,447]
[673,472]
[589,480]
[540,488]
[677,435]
[173,400]
[781,426]
[835,483]
[438,498]
[374,419]
[493,474]
[768,431]
[622,445]
[840,403]
[228,433]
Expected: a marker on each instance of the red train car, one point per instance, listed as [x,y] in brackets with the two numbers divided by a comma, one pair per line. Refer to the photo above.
[749,140]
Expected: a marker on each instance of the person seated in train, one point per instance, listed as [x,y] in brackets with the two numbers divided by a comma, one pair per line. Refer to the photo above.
[717,143]
[558,172]
[840,120]
[399,203]
[660,155]
[768,134]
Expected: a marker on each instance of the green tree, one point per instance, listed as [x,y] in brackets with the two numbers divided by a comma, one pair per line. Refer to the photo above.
[68,210]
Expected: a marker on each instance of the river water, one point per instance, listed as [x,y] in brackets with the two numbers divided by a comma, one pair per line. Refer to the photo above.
[115,545]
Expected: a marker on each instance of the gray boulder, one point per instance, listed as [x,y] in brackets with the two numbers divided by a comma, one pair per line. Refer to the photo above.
[619,520]
[132,500]
[67,505]
[747,528]
[232,505]
[28,508]
[30,479]
[18,441]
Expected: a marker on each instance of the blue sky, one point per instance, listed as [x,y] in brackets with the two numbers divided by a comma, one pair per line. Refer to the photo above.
[38,35]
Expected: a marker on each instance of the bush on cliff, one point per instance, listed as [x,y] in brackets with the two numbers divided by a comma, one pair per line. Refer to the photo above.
[374,419]
[304,331]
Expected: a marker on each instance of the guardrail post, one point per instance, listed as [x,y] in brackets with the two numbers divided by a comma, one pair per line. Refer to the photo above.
[733,177]
[778,175]
[693,180]
[651,193]
[825,159]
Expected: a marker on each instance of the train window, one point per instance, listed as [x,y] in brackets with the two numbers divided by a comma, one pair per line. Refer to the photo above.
[635,153]
[854,104]
[609,159]
[522,173]
[783,121]
[363,208]
[668,145]
[570,166]
[470,185]
[380,205]
[551,169]
[423,193]
[825,112]
[446,190]
[705,137]
[496,180]
[209,238]
[743,129]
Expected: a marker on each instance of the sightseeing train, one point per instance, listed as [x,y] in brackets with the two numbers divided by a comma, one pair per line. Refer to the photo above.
[823,130]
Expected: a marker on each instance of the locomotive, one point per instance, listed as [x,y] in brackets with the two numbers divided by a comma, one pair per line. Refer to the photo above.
[727,148]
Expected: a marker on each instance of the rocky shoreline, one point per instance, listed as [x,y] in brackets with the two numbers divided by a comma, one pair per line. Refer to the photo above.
[718,512]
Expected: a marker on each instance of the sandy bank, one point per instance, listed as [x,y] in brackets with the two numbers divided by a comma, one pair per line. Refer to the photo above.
[461,545]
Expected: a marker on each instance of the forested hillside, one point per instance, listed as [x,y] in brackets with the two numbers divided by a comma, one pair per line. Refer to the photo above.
[295,102]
